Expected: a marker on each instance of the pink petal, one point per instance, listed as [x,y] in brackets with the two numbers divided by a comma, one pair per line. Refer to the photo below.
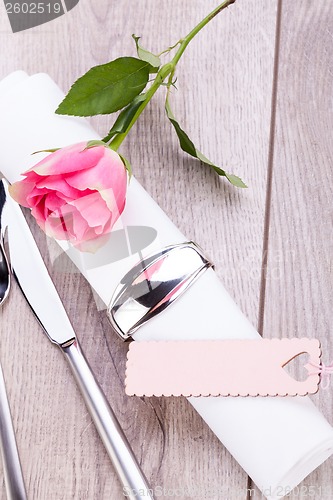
[81,228]
[32,176]
[33,202]
[59,226]
[108,172]
[115,200]
[69,159]
[73,221]
[109,177]
[20,190]
[39,212]
[57,183]
[35,192]
[93,209]
[53,202]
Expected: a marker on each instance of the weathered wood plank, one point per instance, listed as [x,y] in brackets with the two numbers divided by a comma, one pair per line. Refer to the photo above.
[299,290]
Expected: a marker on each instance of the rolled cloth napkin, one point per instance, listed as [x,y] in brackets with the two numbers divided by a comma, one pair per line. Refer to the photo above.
[277,441]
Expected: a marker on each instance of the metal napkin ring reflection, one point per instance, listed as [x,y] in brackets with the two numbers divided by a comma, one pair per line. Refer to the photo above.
[153,284]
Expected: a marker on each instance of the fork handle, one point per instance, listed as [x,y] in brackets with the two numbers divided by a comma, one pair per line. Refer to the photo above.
[134,483]
[14,481]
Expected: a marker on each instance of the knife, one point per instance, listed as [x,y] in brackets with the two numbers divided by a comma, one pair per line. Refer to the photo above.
[39,291]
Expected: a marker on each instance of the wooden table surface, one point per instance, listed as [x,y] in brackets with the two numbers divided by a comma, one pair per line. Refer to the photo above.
[255,93]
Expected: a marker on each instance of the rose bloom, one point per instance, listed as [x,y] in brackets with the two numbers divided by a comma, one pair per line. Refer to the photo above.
[75,194]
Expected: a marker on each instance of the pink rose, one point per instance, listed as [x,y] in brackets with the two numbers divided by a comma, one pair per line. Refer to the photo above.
[75,194]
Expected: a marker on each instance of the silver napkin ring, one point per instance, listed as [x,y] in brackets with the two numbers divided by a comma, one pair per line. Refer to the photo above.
[153,284]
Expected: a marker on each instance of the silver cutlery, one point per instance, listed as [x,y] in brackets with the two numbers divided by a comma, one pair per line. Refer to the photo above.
[14,482]
[33,278]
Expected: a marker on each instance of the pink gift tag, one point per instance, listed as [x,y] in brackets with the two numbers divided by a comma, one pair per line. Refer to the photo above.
[220,367]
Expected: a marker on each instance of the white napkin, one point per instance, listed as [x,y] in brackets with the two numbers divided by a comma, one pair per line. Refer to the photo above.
[278,441]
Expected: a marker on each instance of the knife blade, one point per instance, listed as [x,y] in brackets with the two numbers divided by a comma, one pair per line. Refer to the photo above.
[38,289]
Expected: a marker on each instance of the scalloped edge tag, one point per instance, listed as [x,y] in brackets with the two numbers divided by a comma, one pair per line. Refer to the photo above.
[219,367]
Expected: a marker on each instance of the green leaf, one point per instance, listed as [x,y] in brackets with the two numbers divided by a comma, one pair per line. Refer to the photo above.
[127,165]
[187,145]
[147,56]
[107,88]
[236,181]
[95,142]
[45,151]
[124,118]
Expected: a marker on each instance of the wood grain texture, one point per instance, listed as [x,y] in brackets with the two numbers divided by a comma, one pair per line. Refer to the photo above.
[299,291]
[224,103]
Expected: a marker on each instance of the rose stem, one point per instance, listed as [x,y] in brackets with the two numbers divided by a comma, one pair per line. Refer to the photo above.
[167,69]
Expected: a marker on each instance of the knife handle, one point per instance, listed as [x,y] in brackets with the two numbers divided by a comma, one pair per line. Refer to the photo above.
[134,483]
[14,482]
